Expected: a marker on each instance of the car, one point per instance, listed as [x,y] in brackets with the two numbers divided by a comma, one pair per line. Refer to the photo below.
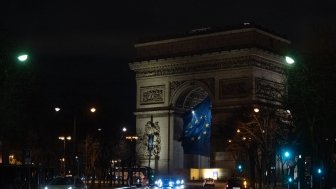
[237,183]
[66,182]
[138,183]
[169,182]
[209,182]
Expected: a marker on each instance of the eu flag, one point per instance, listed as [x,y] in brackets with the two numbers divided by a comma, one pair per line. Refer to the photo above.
[197,129]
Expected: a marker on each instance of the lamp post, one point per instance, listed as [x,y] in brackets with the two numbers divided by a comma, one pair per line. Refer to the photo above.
[64,138]
[74,124]
[7,73]
[319,173]
[150,147]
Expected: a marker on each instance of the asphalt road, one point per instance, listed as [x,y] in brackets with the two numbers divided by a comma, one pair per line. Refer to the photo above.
[193,185]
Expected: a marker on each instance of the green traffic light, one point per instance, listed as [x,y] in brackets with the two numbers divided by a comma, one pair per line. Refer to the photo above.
[287,154]
[319,171]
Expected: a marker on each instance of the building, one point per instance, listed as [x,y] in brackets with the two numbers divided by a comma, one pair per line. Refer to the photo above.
[230,68]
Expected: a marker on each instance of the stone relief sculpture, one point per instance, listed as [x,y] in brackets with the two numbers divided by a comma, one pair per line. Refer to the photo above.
[234,88]
[269,90]
[152,94]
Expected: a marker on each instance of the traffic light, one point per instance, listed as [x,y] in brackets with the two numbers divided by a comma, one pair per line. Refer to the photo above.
[240,167]
[319,171]
[286,154]
[151,178]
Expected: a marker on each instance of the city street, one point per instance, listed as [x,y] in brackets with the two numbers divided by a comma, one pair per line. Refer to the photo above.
[190,185]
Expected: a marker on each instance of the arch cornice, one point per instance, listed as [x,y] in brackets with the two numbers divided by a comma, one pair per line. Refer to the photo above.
[223,60]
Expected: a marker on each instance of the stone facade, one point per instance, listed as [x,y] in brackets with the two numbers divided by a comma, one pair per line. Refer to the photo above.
[235,68]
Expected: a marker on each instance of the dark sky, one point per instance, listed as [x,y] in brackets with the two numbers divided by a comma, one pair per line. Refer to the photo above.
[81,49]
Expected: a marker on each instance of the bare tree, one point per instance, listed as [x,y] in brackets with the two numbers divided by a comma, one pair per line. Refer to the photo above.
[257,137]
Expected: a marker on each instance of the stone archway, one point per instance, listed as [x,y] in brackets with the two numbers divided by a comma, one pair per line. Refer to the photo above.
[187,96]
[232,67]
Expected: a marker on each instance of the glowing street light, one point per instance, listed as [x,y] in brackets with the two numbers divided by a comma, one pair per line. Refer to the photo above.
[124,129]
[256,110]
[64,138]
[93,110]
[22,57]
[289,60]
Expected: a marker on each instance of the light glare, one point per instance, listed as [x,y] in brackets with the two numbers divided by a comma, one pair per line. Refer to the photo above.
[256,110]
[22,58]
[289,60]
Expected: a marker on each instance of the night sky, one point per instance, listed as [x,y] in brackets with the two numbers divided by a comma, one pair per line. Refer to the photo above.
[81,50]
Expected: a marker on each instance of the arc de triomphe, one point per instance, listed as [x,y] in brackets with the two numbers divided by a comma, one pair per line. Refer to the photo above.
[234,68]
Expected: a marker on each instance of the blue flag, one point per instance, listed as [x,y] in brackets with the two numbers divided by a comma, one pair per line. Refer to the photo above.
[197,129]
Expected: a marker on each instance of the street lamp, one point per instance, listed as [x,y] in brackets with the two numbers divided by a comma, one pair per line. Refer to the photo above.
[58,109]
[150,146]
[22,57]
[289,60]
[64,138]
[319,171]
[93,110]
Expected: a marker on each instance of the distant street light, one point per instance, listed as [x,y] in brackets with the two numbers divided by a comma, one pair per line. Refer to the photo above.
[92,110]
[64,138]
[124,129]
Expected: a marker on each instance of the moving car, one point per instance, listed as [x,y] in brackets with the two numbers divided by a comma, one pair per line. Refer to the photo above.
[66,182]
[237,183]
[209,182]
[169,182]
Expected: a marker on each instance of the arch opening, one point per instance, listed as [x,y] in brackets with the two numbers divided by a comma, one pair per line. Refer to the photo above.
[195,126]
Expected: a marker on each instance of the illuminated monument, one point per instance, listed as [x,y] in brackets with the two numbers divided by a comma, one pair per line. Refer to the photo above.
[187,87]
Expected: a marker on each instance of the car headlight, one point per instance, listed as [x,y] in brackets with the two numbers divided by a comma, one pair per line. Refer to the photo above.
[46,187]
[182,181]
[70,187]
[178,182]
[171,183]
[159,183]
